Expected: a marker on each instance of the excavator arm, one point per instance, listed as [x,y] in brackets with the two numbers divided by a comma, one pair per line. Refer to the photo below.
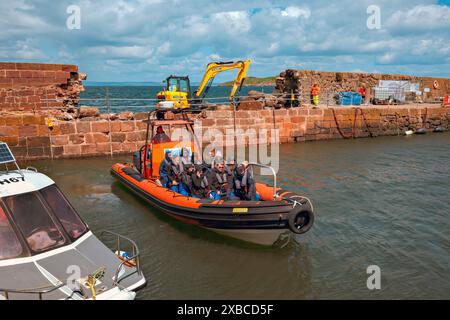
[215,68]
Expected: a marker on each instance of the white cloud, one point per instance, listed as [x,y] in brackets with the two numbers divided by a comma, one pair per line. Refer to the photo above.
[232,21]
[296,12]
[421,17]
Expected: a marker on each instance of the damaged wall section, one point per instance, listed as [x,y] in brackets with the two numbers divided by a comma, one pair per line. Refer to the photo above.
[35,86]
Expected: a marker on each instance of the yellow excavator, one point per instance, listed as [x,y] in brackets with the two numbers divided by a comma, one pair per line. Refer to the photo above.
[177,93]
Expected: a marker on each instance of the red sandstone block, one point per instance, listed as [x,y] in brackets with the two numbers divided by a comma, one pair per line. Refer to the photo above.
[116,147]
[208,122]
[67,128]
[96,137]
[12,74]
[28,66]
[100,126]
[315,112]
[42,130]
[38,141]
[72,149]
[141,116]
[60,140]
[50,67]
[13,120]
[28,131]
[88,149]
[127,126]
[222,114]
[83,126]
[103,147]
[139,125]
[8,131]
[224,122]
[69,68]
[135,136]
[77,138]
[298,119]
[37,74]
[115,126]
[33,119]
[58,151]
[26,74]
[50,75]
[118,137]
[129,146]
[36,152]
[7,65]
[281,112]
[62,75]
[11,141]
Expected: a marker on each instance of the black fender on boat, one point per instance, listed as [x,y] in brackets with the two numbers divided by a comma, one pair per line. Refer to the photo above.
[301,218]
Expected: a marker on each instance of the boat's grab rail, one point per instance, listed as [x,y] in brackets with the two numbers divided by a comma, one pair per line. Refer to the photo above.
[134,258]
[39,291]
[275,194]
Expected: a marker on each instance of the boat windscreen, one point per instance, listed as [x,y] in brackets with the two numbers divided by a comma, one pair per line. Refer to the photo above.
[34,221]
[10,246]
[69,219]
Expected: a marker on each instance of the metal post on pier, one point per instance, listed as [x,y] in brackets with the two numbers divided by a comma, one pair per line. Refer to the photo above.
[108,108]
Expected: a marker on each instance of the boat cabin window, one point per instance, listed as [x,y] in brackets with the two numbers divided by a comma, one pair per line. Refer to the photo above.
[34,221]
[10,246]
[69,219]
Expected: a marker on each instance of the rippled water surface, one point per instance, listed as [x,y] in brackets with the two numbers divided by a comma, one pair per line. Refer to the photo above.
[383,201]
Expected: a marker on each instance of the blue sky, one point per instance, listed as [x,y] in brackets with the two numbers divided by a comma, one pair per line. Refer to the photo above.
[146,40]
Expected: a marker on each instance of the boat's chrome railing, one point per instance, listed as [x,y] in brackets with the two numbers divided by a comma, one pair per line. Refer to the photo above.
[133,259]
[275,194]
[38,291]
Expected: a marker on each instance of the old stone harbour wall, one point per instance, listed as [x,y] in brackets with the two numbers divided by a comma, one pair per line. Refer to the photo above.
[30,137]
[40,117]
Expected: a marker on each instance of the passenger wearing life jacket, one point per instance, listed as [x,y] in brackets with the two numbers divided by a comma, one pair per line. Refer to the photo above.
[185,159]
[244,184]
[220,182]
[315,91]
[198,183]
[160,136]
[185,187]
[175,177]
[164,169]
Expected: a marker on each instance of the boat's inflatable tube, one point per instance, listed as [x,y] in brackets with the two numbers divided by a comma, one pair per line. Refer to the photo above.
[438,129]
[255,221]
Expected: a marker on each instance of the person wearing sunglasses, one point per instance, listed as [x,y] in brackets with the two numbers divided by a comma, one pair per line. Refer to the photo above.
[220,182]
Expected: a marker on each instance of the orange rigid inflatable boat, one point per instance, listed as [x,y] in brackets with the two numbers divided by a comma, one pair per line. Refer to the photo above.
[261,222]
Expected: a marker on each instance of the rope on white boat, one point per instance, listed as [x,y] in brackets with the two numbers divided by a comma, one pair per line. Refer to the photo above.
[302,197]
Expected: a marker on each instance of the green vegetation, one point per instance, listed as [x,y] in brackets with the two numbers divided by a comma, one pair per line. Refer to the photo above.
[254,81]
